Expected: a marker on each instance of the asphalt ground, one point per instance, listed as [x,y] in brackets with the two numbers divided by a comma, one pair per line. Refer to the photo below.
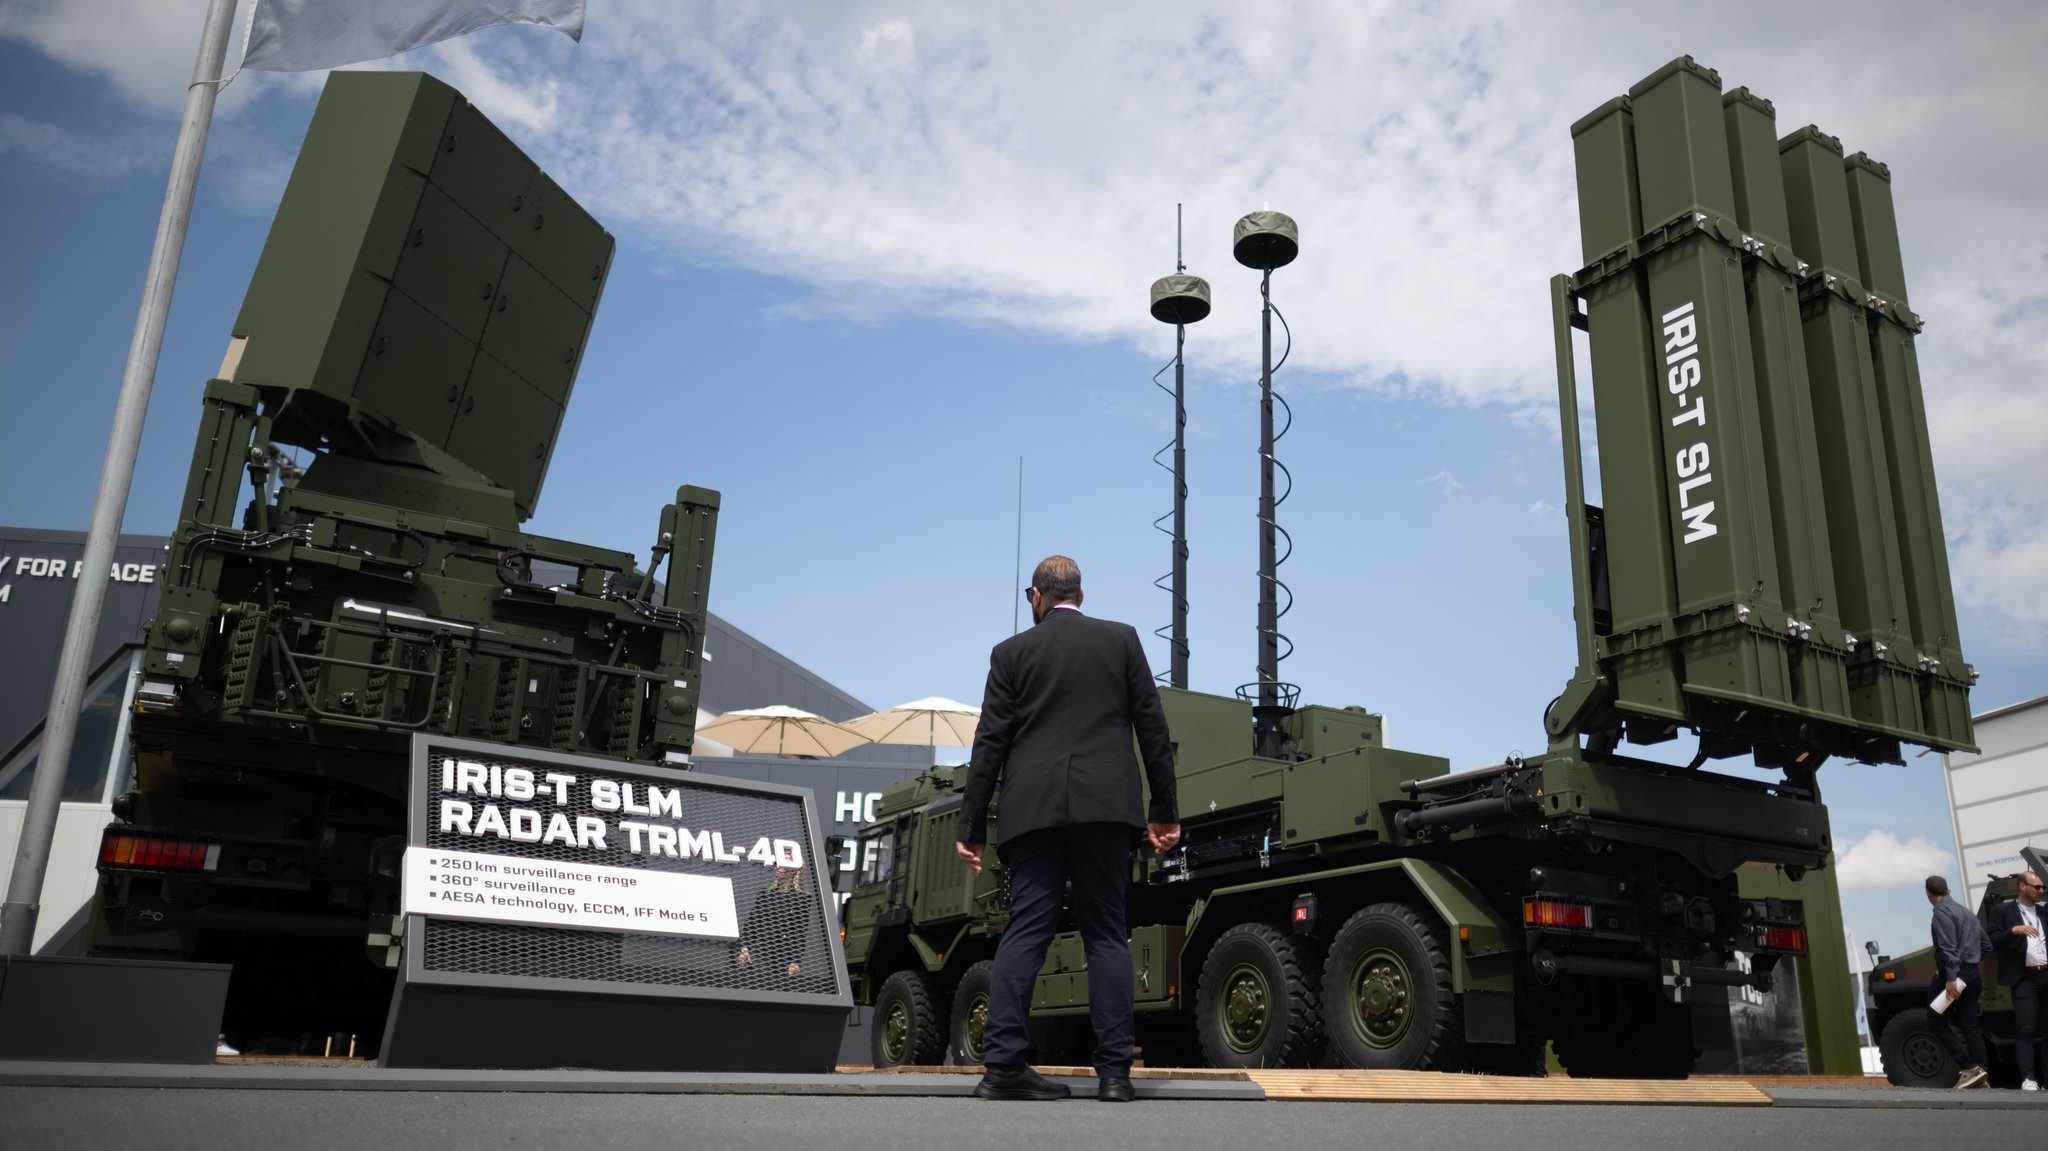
[84,1118]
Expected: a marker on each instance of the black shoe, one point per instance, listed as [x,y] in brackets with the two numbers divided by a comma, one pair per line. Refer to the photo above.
[1019,1082]
[1115,1089]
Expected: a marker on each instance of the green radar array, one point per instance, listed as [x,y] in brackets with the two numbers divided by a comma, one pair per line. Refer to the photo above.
[1768,567]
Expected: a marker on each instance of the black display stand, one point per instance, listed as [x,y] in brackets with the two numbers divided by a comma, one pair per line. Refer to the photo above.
[78,1010]
[523,993]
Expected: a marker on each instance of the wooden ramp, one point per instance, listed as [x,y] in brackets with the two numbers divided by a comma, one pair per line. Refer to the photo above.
[1438,1087]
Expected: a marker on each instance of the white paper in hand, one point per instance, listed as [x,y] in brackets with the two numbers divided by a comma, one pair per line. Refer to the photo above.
[1941,1001]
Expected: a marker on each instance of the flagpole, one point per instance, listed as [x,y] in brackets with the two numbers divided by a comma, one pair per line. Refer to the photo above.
[32,855]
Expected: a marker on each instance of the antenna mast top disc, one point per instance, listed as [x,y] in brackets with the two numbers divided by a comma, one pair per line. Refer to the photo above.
[1180,299]
[1266,240]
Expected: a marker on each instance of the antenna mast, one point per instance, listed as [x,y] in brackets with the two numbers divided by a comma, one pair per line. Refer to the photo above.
[1267,240]
[1180,300]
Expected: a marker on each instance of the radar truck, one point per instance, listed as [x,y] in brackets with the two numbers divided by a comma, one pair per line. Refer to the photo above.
[349,567]
[1766,576]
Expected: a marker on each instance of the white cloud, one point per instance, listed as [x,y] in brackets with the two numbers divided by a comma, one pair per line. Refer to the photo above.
[146,47]
[61,149]
[1445,482]
[1018,165]
[1880,860]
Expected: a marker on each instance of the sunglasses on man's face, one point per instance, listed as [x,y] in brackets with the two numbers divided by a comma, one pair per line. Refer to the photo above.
[1027,594]
[2036,886]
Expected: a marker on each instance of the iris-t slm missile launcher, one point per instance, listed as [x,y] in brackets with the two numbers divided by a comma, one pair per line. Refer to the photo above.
[415,323]
[1767,573]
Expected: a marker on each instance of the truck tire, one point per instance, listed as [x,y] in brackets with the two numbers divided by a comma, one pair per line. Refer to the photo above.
[906,1022]
[970,1015]
[1256,1006]
[1387,993]
[1913,1055]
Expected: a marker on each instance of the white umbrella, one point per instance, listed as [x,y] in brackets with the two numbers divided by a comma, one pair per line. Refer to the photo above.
[779,730]
[931,722]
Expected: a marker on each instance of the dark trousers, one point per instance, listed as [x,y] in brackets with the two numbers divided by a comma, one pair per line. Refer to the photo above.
[1963,1013]
[1096,858]
[2030,1020]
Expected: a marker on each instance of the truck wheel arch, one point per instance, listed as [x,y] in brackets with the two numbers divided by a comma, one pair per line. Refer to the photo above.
[1485,949]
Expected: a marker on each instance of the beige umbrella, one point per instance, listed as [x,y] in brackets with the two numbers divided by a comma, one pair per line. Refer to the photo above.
[931,722]
[779,730]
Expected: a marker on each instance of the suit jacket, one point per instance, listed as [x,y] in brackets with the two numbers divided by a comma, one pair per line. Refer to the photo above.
[1063,702]
[2011,949]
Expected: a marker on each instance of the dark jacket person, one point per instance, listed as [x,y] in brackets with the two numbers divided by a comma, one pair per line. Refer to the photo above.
[1063,703]
[1959,946]
[2016,936]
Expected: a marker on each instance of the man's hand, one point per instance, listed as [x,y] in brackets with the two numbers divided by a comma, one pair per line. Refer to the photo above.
[1955,989]
[970,854]
[1163,836]
[2023,929]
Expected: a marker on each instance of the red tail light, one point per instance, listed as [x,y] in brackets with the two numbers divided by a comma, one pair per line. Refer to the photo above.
[1552,913]
[155,853]
[1775,938]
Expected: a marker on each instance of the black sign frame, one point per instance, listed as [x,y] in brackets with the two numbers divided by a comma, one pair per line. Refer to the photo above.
[440,1018]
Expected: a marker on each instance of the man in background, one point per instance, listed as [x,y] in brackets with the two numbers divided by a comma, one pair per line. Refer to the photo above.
[1064,701]
[1959,947]
[2023,968]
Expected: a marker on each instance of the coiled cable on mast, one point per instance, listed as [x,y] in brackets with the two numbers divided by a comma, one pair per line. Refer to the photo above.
[1266,240]
[1180,300]
[1288,691]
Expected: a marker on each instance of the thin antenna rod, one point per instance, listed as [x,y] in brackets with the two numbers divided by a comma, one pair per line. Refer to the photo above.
[1017,572]
[1180,300]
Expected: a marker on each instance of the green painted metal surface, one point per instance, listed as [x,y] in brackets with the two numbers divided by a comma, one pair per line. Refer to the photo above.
[1770,546]
[425,286]
[1827,993]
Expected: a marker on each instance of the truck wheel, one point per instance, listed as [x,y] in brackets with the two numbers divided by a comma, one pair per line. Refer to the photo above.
[906,1022]
[1387,991]
[970,1015]
[1256,1004]
[1913,1055]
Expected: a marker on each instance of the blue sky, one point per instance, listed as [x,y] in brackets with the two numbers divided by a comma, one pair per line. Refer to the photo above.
[872,254]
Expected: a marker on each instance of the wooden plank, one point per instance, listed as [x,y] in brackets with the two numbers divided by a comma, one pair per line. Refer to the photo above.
[1438,1087]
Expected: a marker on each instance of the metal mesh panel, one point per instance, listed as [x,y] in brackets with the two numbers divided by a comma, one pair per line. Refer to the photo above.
[779,915]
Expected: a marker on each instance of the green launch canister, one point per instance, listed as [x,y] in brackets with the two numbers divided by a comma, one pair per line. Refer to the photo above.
[1774,566]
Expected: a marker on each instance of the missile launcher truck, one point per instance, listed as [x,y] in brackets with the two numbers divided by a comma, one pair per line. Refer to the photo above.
[411,334]
[1767,575]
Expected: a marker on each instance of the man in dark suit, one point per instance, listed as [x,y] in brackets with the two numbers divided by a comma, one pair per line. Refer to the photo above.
[1959,946]
[2023,967]
[1063,702]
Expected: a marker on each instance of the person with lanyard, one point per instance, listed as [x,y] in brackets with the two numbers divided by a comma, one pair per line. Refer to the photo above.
[2023,969]
[1959,946]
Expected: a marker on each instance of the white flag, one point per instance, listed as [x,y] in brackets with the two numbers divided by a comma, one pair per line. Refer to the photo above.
[307,35]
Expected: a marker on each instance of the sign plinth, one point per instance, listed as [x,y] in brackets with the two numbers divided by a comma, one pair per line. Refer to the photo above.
[567,911]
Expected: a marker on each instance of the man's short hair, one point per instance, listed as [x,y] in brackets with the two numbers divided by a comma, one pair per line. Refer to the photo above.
[1057,578]
[1936,885]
